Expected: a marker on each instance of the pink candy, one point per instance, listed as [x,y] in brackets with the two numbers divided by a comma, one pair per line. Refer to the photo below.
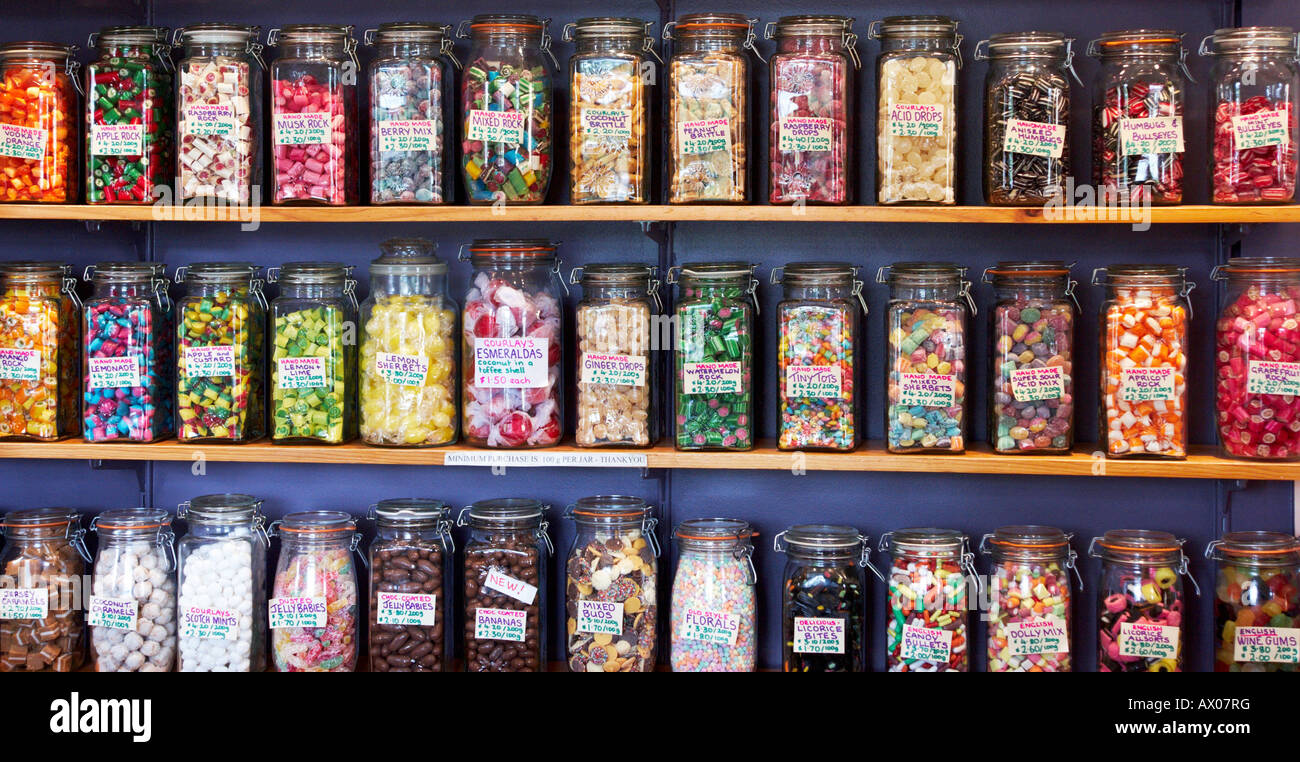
[322,172]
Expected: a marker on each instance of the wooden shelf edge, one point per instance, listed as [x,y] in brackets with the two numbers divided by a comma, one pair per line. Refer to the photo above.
[1202,463]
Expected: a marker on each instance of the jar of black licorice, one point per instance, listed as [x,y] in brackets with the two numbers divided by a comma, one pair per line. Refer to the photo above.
[822,600]
[1026,116]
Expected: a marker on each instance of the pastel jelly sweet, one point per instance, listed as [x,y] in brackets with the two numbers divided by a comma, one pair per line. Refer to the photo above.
[314,607]
[1029,618]
[712,624]
[1256,602]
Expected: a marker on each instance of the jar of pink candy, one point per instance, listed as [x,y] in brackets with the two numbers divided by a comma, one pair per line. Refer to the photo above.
[512,344]
[1253,126]
[1257,359]
[313,114]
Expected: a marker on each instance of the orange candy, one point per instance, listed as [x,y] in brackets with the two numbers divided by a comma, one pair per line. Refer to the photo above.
[35,316]
[1144,389]
[36,93]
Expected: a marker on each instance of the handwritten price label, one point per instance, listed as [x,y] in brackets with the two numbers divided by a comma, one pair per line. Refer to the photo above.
[1148,641]
[1262,128]
[23,142]
[704,136]
[511,363]
[927,389]
[926,644]
[711,627]
[711,378]
[402,370]
[117,139]
[600,617]
[500,624]
[112,613]
[496,126]
[1157,134]
[297,612]
[20,364]
[1040,636]
[818,635]
[300,372]
[804,133]
[302,129]
[914,120]
[1035,384]
[114,372]
[416,609]
[815,381]
[606,123]
[24,603]
[619,370]
[209,119]
[1267,644]
[1147,384]
[210,362]
[1263,377]
[209,623]
[515,588]
[408,135]
[1034,138]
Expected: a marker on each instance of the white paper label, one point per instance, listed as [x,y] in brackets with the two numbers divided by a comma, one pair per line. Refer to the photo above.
[1148,641]
[204,119]
[611,124]
[930,644]
[496,126]
[20,364]
[408,135]
[117,139]
[545,459]
[1262,128]
[209,623]
[712,378]
[1264,377]
[1035,384]
[297,612]
[500,624]
[416,609]
[392,101]
[818,635]
[210,362]
[1157,134]
[927,389]
[1038,636]
[1034,138]
[600,617]
[402,370]
[804,133]
[24,603]
[710,627]
[915,120]
[114,372]
[704,136]
[515,588]
[1146,384]
[618,370]
[300,372]
[309,129]
[519,363]
[815,381]
[1266,644]
[112,613]
[23,142]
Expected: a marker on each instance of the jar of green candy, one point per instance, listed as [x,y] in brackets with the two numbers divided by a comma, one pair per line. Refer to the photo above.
[313,354]
[716,308]
[220,333]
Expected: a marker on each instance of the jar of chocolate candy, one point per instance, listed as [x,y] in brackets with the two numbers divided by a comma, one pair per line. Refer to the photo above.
[1256,602]
[506,585]
[42,625]
[40,369]
[1253,128]
[929,574]
[823,597]
[314,602]
[713,623]
[611,590]
[812,112]
[1029,603]
[916,109]
[132,607]
[1026,116]
[1137,115]
[409,602]
[1140,604]
[1031,373]
[925,365]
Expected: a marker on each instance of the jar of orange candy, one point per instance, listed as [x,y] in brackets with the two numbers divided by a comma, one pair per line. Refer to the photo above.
[37,98]
[40,375]
[1144,341]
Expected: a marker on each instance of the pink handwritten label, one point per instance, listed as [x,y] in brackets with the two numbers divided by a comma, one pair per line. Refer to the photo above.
[818,635]
[407,608]
[208,119]
[814,381]
[515,588]
[1148,641]
[20,364]
[1157,134]
[915,120]
[1264,377]
[704,136]
[711,627]
[117,139]
[511,363]
[113,372]
[1034,384]
[210,362]
[618,370]
[402,370]
[804,133]
[1038,636]
[496,126]
[712,378]
[1034,138]
[1266,644]
[1147,384]
[500,624]
[307,129]
[408,135]
[610,123]
[300,372]
[209,623]
[287,613]
[1262,128]
[112,613]
[926,643]
[600,617]
[927,389]
[24,603]
[23,142]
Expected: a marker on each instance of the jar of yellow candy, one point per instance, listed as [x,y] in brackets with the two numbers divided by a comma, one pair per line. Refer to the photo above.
[408,365]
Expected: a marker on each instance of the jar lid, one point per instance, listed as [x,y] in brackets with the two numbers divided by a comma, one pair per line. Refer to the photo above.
[487,22]
[222,503]
[1161,42]
[803,273]
[926,539]
[943,272]
[524,248]
[505,509]
[39,518]
[716,270]
[1028,537]
[810,24]
[312,33]
[822,537]
[609,26]
[33,268]
[311,272]
[1234,39]
[610,509]
[318,522]
[114,271]
[1021,44]
[217,32]
[408,256]
[1255,548]
[606,273]
[131,35]
[131,520]
[1149,274]
[35,49]
[1138,541]
[712,21]
[410,511]
[715,530]
[913,26]
[1260,266]
[411,31]
[1028,270]
[216,271]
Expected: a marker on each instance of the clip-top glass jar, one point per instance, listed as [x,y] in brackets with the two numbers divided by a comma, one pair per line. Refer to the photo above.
[314,114]
[1029,618]
[408,121]
[314,604]
[1256,602]
[408,349]
[1140,604]
[708,108]
[1026,116]
[1031,374]
[219,350]
[823,598]
[609,142]
[929,574]
[130,136]
[409,599]
[222,582]
[1253,127]
[38,103]
[925,367]
[819,320]
[1257,359]
[219,114]
[513,345]
[916,109]
[40,371]
[508,133]
[131,611]
[812,112]
[313,363]
[616,375]
[41,618]
[714,603]
[506,585]
[1144,343]
[1137,115]
[714,390]
[611,585]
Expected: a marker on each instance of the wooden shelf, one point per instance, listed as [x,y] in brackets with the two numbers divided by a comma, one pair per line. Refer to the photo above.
[1203,463]
[695,213]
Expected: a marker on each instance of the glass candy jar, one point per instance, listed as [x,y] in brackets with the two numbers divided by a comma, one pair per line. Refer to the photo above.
[132,607]
[1029,604]
[314,604]
[43,561]
[713,618]
[40,369]
[823,598]
[930,571]
[1140,603]
[1256,602]
[38,104]
[409,560]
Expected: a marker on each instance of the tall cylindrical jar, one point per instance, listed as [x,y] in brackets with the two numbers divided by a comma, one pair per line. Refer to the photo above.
[929,573]
[916,109]
[1256,601]
[38,107]
[313,354]
[1137,115]
[617,383]
[219,114]
[1253,125]
[1141,609]
[611,585]
[314,603]
[1026,116]
[1031,371]
[40,368]
[512,345]
[409,84]
[1144,343]
[708,108]
[713,625]
[506,585]
[131,611]
[507,109]
[609,110]
[410,558]
[314,129]
[812,115]
[925,364]
[42,620]
[1257,359]
[220,332]
[823,598]
[714,388]
[1029,617]
[222,583]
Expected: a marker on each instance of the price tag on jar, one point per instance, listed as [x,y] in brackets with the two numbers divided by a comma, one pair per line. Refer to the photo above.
[23,142]
[1148,641]
[1147,384]
[209,623]
[112,613]
[1035,384]
[818,635]
[926,644]
[710,627]
[1265,377]
[20,364]
[600,617]
[927,389]
[515,588]
[1153,135]
[500,624]
[1262,128]
[1038,636]
[24,603]
[418,609]
[1266,644]
[297,612]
